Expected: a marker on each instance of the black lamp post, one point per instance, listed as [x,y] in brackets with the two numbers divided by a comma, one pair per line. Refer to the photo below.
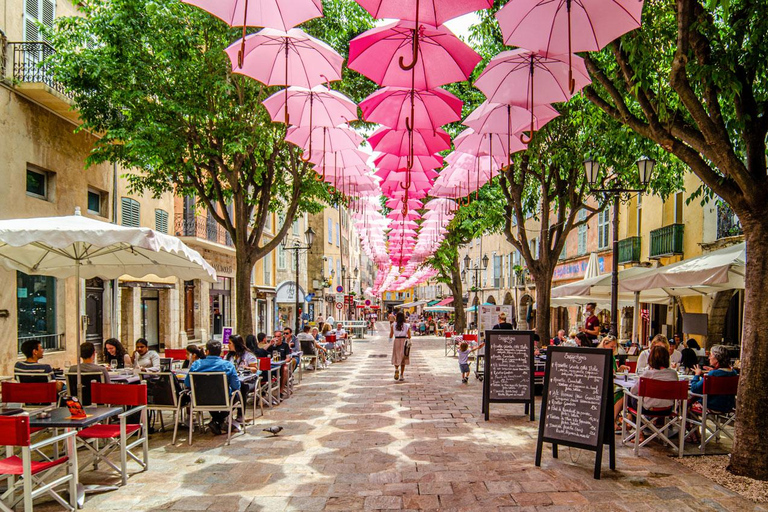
[475,271]
[309,238]
[645,167]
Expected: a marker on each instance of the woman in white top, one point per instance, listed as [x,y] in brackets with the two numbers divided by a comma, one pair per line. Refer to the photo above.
[401,332]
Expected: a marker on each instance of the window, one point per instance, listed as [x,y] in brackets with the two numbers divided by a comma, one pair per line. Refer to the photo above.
[330,270]
[330,231]
[267,262]
[510,263]
[582,232]
[389,296]
[280,257]
[161,221]
[496,271]
[338,272]
[564,252]
[338,235]
[296,227]
[130,212]
[603,228]
[639,214]
[95,201]
[678,208]
[38,183]
[268,222]
[36,304]
[38,11]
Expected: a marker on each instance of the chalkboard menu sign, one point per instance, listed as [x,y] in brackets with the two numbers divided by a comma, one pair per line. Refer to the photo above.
[577,402]
[508,376]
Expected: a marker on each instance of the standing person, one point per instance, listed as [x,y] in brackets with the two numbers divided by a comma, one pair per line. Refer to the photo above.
[391,318]
[145,359]
[320,321]
[591,324]
[401,332]
[114,351]
[214,363]
[87,353]
[464,352]
[503,324]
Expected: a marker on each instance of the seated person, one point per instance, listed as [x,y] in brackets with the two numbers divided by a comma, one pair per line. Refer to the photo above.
[214,363]
[239,355]
[194,353]
[719,366]
[258,344]
[689,357]
[33,352]
[114,351]
[87,353]
[145,359]
[281,348]
[308,345]
[341,336]
[642,359]
[658,369]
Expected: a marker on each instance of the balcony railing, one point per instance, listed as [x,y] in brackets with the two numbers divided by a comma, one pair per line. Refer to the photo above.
[48,341]
[728,223]
[629,250]
[199,227]
[29,65]
[667,241]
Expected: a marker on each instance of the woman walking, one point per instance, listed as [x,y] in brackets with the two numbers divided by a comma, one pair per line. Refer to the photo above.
[401,332]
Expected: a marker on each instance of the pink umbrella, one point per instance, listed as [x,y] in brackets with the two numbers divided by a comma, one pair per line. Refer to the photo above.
[330,139]
[398,142]
[545,25]
[396,204]
[400,174]
[419,163]
[507,119]
[483,144]
[416,180]
[434,12]
[318,106]
[341,159]
[394,106]
[287,58]
[444,58]
[277,14]
[513,76]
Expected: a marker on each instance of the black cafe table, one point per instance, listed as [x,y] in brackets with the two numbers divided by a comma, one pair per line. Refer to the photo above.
[60,417]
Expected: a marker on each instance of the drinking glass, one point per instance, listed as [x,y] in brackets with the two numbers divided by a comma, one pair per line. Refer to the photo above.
[113,364]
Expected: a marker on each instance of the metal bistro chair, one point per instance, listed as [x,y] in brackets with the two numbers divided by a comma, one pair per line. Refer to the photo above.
[116,435]
[163,394]
[165,364]
[32,377]
[265,389]
[86,378]
[713,423]
[33,395]
[210,392]
[675,416]
[15,432]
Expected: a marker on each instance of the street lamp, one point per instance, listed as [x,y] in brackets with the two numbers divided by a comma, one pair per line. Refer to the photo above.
[645,167]
[309,238]
[475,271]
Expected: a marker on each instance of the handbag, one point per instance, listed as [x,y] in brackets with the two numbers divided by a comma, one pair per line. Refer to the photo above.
[407,347]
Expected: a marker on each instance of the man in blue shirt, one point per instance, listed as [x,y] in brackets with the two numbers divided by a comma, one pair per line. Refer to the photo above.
[214,363]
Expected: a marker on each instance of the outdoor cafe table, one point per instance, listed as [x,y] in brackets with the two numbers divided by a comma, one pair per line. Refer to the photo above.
[630,379]
[60,417]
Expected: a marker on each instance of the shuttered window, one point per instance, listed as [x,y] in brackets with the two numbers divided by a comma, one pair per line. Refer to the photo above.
[582,233]
[130,212]
[161,221]
[38,12]
[603,228]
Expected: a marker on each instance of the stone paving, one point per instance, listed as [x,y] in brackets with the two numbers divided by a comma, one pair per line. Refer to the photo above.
[355,439]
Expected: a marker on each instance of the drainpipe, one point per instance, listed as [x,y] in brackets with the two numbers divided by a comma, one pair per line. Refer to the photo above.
[115,290]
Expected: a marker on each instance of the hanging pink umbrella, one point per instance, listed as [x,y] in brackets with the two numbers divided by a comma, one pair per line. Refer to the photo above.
[444,58]
[277,14]
[420,162]
[400,174]
[507,119]
[545,25]
[329,139]
[395,106]
[433,12]
[397,204]
[318,106]
[397,142]
[416,180]
[514,76]
[287,58]
[483,144]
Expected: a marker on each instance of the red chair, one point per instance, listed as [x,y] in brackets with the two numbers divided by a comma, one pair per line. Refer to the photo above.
[116,435]
[674,416]
[177,354]
[33,393]
[632,366]
[713,423]
[470,338]
[15,432]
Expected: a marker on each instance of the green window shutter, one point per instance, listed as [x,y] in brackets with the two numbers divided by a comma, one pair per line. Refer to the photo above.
[130,212]
[161,221]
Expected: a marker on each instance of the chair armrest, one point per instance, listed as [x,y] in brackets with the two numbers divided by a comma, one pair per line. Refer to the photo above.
[53,440]
[697,395]
[232,396]
[131,411]
[629,393]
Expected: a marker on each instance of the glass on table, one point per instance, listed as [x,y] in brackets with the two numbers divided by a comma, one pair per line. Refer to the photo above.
[113,364]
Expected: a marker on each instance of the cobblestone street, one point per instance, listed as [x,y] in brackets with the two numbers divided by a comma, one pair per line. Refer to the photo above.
[354,439]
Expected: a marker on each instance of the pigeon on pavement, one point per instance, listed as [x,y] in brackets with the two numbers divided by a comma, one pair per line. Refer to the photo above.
[273,430]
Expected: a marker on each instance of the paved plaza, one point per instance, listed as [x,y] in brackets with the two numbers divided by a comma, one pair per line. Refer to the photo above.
[356,440]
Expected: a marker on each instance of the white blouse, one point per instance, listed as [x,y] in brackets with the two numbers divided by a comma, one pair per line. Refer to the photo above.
[400,333]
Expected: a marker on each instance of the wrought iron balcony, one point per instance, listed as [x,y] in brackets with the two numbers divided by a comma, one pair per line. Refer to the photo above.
[201,227]
[667,241]
[629,250]
[728,223]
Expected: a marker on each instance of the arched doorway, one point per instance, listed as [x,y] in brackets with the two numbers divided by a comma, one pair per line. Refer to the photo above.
[508,299]
[720,308]
[491,300]
[526,316]
[559,320]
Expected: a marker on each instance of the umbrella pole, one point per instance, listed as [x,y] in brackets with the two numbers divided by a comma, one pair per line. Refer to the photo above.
[636,318]
[79,330]
[571,81]
[241,53]
[522,136]
[415,58]
[287,117]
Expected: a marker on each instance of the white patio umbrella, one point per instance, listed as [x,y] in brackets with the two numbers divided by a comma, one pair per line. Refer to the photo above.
[593,267]
[86,248]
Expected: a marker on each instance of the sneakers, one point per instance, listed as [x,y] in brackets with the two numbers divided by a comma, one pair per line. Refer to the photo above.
[402,377]
[397,374]
[214,427]
[464,380]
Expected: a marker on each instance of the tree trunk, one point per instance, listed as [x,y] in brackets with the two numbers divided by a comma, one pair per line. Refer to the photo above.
[459,316]
[243,308]
[749,456]
[543,292]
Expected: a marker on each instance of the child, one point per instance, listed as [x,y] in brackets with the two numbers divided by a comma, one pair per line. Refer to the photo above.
[464,352]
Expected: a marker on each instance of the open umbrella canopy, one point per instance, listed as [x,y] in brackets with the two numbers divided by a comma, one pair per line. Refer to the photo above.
[323,138]
[443,57]
[397,142]
[434,12]
[504,118]
[392,107]
[484,144]
[400,174]
[318,106]
[396,162]
[277,14]
[55,246]
[274,57]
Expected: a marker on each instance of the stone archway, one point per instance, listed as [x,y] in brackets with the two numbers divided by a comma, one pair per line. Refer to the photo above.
[522,313]
[508,299]
[490,300]
[718,309]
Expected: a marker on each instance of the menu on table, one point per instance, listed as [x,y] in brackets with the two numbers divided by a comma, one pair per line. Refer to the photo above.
[508,369]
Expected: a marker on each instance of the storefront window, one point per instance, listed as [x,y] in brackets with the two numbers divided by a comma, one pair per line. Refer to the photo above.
[36,304]
[221,305]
